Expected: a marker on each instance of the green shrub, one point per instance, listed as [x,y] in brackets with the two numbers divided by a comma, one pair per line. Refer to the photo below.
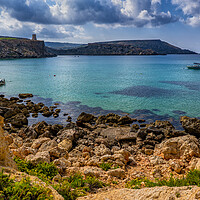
[70,187]
[75,185]
[105,166]
[22,190]
[44,170]
[93,183]
[192,178]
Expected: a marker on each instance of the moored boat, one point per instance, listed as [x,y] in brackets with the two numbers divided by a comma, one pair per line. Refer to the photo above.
[2,82]
[194,66]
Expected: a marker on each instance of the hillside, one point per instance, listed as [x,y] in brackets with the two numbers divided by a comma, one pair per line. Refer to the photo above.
[22,48]
[61,46]
[129,47]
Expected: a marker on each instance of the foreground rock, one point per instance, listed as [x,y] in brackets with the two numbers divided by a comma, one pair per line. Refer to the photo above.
[159,193]
[6,158]
[184,148]
[191,125]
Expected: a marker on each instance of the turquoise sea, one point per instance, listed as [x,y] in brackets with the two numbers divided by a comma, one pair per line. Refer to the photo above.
[150,87]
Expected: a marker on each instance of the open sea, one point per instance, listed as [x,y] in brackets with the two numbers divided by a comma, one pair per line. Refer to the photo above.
[146,87]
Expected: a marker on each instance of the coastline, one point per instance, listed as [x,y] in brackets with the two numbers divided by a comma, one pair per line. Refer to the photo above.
[109,149]
[75,108]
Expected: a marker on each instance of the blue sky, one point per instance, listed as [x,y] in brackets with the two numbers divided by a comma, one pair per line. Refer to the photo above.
[83,21]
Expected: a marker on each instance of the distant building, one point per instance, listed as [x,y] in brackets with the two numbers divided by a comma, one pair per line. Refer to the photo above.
[34,37]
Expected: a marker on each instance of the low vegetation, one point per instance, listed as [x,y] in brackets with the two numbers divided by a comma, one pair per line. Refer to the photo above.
[192,178]
[45,171]
[106,166]
[69,187]
[22,190]
[75,185]
[7,38]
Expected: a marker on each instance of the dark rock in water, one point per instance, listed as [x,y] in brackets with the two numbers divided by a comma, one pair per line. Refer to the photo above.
[57,111]
[55,115]
[141,120]
[69,119]
[34,115]
[135,128]
[86,118]
[19,120]
[14,98]
[10,113]
[179,112]
[142,125]
[191,125]
[26,95]
[101,120]
[112,118]
[125,120]
[47,113]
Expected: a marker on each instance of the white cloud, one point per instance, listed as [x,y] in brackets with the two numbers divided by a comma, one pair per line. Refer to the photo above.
[191,8]
[79,12]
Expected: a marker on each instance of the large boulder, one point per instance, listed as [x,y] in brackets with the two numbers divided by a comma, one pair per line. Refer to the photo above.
[125,120]
[184,147]
[119,173]
[191,125]
[19,120]
[5,155]
[26,95]
[39,157]
[113,134]
[158,193]
[40,127]
[86,118]
[65,144]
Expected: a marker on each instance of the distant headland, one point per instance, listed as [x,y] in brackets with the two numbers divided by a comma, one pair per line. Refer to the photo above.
[124,47]
[14,47]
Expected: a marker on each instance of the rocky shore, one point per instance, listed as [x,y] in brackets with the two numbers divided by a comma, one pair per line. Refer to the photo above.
[11,48]
[111,148]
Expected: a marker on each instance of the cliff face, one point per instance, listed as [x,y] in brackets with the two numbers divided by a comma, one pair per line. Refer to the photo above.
[23,48]
[128,47]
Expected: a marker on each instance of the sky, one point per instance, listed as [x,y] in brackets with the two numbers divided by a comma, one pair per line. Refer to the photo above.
[84,21]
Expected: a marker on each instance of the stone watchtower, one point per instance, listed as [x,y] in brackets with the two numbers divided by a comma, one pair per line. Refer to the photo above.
[34,37]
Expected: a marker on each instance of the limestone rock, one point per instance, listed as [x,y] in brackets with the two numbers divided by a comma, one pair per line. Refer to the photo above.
[62,164]
[85,118]
[66,144]
[39,157]
[159,193]
[119,173]
[19,120]
[58,152]
[48,145]
[5,155]
[191,125]
[38,142]
[179,147]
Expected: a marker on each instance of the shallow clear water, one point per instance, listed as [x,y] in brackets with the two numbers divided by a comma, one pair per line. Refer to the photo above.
[160,84]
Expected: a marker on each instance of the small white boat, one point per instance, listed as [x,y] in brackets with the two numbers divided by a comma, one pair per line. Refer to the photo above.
[2,82]
[195,66]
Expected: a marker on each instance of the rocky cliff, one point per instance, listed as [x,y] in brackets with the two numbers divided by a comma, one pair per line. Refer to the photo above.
[22,48]
[128,47]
